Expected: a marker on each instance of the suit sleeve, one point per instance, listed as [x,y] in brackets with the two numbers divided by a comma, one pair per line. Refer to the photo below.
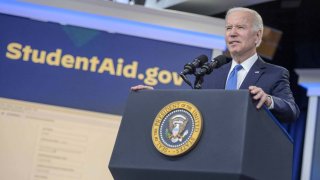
[285,108]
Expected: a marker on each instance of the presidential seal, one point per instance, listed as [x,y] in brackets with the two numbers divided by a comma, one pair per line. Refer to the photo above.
[177,128]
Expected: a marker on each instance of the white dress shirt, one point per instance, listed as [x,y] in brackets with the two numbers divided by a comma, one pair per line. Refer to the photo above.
[246,66]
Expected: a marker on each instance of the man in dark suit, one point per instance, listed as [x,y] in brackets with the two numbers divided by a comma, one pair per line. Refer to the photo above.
[268,84]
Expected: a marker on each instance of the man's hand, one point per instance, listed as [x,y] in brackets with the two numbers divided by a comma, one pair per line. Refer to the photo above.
[261,96]
[141,87]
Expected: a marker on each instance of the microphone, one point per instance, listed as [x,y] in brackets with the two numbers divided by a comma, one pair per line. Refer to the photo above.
[190,68]
[208,67]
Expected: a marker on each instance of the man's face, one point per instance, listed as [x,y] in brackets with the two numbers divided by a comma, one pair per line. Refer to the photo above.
[240,37]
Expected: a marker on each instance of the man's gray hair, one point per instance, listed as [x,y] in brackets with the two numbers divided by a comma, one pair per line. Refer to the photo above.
[257,20]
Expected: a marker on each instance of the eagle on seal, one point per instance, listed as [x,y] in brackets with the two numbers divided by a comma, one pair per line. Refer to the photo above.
[177,126]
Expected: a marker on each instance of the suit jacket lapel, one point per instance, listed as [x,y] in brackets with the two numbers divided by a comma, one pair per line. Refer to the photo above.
[223,73]
[254,74]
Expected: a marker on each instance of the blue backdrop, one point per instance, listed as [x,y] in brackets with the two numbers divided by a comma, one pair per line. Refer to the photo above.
[38,64]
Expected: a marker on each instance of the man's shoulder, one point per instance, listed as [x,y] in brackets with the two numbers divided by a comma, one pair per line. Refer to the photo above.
[273,67]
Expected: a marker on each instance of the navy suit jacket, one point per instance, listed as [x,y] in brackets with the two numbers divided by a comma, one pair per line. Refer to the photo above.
[274,80]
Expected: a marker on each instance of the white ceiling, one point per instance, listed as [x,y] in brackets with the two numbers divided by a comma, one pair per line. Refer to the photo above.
[204,7]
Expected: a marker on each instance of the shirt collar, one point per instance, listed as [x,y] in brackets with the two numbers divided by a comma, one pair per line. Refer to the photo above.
[246,64]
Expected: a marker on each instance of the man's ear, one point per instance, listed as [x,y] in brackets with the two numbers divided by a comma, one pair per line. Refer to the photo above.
[259,37]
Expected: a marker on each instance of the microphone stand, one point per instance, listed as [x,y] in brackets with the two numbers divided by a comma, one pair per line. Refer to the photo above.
[198,82]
